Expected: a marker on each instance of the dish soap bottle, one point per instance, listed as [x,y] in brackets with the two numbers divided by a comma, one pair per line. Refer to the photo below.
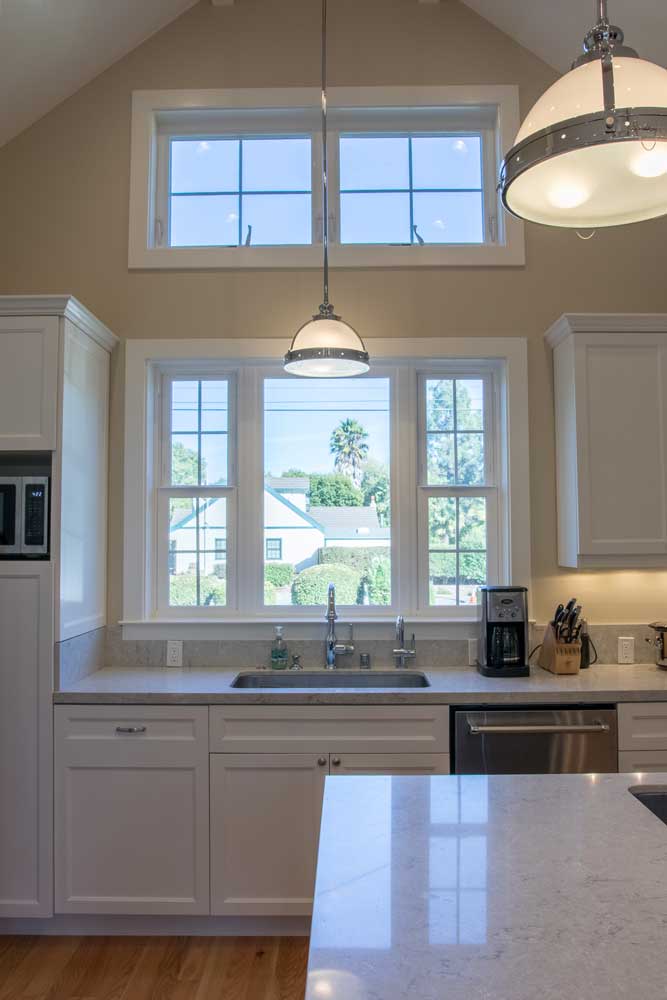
[279,650]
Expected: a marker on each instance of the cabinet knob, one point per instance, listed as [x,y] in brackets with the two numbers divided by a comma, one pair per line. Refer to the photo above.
[321,761]
[335,761]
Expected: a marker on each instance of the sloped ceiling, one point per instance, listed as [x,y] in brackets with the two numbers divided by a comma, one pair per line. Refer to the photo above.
[554,29]
[51,48]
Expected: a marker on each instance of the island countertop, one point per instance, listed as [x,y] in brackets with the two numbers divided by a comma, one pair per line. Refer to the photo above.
[509,887]
[456,686]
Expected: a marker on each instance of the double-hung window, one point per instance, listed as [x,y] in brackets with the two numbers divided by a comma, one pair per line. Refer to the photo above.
[237,181]
[387,485]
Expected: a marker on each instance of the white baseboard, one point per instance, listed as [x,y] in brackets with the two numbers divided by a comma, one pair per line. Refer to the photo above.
[93,926]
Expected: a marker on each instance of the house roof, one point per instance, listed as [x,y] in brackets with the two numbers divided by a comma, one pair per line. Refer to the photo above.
[289,484]
[350,522]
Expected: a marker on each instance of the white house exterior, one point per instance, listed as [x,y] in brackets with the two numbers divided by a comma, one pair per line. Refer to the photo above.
[293,531]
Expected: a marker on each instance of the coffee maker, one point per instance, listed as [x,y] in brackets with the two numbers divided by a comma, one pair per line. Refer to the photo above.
[503,640]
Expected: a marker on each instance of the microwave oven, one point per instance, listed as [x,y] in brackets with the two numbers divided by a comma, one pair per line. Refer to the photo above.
[24,517]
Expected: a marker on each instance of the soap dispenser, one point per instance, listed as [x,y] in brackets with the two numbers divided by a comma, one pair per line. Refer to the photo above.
[279,650]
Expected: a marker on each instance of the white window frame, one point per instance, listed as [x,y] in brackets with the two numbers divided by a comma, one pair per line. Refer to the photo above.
[395,110]
[505,359]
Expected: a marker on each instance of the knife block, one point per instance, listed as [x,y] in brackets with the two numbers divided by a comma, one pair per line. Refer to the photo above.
[559,657]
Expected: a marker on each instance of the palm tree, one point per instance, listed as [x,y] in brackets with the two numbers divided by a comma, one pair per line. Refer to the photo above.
[348,444]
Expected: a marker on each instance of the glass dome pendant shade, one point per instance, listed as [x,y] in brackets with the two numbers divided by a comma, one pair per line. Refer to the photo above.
[592,152]
[326,346]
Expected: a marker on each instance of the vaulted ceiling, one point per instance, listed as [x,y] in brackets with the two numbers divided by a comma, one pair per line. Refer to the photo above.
[51,48]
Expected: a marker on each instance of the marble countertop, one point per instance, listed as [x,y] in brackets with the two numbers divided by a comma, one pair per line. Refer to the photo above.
[507,887]
[460,686]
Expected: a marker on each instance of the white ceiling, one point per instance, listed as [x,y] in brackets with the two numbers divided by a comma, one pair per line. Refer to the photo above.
[51,48]
[554,29]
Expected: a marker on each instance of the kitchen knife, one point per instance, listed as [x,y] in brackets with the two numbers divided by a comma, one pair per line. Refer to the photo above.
[572,622]
[559,611]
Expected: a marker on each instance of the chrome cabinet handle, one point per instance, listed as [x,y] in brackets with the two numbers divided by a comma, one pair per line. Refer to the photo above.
[596,727]
[130,730]
[321,761]
[335,761]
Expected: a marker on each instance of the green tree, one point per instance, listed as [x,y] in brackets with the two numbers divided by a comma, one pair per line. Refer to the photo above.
[349,446]
[333,490]
[185,465]
[311,585]
[294,474]
[469,469]
[375,486]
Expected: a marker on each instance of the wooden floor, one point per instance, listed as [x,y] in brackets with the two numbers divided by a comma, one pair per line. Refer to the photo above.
[156,968]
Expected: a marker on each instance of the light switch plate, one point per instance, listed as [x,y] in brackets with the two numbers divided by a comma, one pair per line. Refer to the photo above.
[626,649]
[174,652]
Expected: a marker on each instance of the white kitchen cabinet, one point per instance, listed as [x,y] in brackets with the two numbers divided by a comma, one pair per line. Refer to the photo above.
[26,794]
[390,763]
[265,822]
[610,394]
[28,382]
[642,726]
[131,810]
[644,761]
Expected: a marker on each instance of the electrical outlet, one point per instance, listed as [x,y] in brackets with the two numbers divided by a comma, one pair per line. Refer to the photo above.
[472,652]
[174,652]
[626,649]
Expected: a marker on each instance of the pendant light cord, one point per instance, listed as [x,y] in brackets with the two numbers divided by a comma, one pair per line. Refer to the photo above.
[325,308]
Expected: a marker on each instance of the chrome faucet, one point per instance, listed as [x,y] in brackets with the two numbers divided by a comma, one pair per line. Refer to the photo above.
[401,654]
[333,648]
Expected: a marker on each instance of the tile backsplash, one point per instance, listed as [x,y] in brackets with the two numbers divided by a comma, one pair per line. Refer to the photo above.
[77,657]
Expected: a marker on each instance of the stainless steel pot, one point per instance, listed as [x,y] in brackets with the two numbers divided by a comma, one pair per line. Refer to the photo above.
[659,643]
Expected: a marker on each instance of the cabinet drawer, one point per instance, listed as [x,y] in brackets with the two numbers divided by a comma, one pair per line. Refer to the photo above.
[390,763]
[642,760]
[132,733]
[308,728]
[642,726]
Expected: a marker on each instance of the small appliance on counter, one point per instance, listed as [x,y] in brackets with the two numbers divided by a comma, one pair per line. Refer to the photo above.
[503,642]
[660,629]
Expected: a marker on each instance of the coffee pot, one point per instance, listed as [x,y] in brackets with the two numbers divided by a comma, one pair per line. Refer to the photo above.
[659,642]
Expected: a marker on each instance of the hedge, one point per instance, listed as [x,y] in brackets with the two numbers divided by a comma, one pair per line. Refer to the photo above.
[361,559]
[311,585]
[279,574]
[183,590]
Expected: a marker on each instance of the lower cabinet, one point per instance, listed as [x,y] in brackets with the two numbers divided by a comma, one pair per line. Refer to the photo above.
[131,810]
[642,760]
[265,822]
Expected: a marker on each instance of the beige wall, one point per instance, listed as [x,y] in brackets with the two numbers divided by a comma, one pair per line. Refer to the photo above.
[64,217]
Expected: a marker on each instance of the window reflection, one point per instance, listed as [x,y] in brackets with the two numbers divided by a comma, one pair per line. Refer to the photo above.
[458,860]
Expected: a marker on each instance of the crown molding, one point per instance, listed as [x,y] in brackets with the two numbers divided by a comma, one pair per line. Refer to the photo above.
[60,305]
[573,323]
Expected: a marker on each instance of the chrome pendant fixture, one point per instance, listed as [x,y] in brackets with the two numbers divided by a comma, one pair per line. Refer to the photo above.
[326,346]
[592,151]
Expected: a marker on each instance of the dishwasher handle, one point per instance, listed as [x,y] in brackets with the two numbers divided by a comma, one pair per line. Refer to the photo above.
[520,730]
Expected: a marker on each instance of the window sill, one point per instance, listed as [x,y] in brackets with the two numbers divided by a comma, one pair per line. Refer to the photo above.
[261,627]
[510,254]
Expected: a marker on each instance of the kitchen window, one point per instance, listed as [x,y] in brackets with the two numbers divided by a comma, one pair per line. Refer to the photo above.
[236,180]
[267,487]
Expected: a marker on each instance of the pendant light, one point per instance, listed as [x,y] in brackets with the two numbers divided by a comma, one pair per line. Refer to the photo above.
[592,152]
[326,346]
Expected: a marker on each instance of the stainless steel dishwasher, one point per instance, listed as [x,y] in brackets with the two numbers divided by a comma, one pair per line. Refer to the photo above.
[535,741]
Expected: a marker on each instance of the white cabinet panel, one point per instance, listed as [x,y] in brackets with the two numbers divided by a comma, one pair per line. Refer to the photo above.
[642,726]
[265,820]
[26,655]
[28,382]
[131,815]
[83,480]
[390,763]
[308,728]
[643,761]
[610,394]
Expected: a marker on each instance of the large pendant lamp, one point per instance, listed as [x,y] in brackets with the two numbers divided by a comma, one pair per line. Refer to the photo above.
[593,150]
[326,346]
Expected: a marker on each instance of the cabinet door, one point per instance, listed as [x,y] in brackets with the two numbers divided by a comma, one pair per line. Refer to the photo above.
[390,763]
[642,761]
[265,821]
[642,726]
[26,764]
[131,815]
[28,382]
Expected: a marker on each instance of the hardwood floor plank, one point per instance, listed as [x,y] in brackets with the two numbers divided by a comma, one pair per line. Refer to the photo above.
[13,954]
[107,978]
[262,978]
[291,968]
[43,962]
[88,953]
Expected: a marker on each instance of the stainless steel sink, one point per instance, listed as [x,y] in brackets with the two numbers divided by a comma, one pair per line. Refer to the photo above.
[327,679]
[654,797]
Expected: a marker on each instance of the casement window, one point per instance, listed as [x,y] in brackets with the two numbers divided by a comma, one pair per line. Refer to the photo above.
[268,487]
[234,180]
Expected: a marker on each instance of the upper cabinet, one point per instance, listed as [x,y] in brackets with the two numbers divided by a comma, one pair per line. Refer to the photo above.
[28,382]
[610,389]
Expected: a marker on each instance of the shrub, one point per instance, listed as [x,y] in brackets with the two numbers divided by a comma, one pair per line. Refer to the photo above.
[361,559]
[278,574]
[311,585]
[183,590]
[269,593]
[378,581]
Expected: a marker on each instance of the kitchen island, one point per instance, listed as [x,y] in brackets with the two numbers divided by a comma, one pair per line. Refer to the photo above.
[512,887]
